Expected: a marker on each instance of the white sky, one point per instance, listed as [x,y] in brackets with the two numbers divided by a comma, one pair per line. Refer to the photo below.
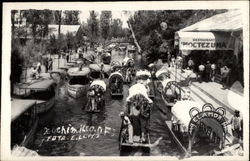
[84,15]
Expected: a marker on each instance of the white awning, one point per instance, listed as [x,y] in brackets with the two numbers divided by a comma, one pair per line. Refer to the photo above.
[203,41]
[99,83]
[138,89]
[142,73]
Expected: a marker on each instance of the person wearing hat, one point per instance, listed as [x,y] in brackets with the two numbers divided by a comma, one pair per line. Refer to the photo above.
[236,124]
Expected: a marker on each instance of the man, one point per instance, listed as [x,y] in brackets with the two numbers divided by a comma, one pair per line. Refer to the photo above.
[200,73]
[191,64]
[67,57]
[225,76]
[236,124]
[207,71]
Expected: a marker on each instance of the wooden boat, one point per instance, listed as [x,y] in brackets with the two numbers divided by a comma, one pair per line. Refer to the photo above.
[95,96]
[116,84]
[128,69]
[99,71]
[43,91]
[199,128]
[78,81]
[24,122]
[170,90]
[144,77]
[137,113]
[21,151]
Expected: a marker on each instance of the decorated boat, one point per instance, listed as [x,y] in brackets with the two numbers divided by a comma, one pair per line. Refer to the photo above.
[134,131]
[95,96]
[116,84]
[170,91]
[106,58]
[99,71]
[24,122]
[199,130]
[144,77]
[78,81]
[128,69]
[43,92]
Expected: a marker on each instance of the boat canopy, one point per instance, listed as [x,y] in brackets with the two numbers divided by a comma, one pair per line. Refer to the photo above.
[76,72]
[165,82]
[126,60]
[116,74]
[100,83]
[138,89]
[151,65]
[19,106]
[160,72]
[97,67]
[143,73]
[41,84]
[181,111]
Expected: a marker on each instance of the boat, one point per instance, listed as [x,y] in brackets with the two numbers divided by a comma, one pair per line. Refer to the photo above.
[162,74]
[21,151]
[128,69]
[43,92]
[134,131]
[116,84]
[198,129]
[99,71]
[170,91]
[144,77]
[106,58]
[116,66]
[95,96]
[24,122]
[78,81]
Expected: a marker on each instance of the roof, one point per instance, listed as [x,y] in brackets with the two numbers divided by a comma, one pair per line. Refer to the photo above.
[97,67]
[228,21]
[43,84]
[19,106]
[181,110]
[74,71]
[116,74]
[138,89]
[99,83]
[143,73]
[53,29]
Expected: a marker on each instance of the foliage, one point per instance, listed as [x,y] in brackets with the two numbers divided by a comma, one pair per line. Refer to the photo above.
[71,17]
[147,27]
[105,22]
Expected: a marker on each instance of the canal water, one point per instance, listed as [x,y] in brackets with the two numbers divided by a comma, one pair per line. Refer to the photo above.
[68,130]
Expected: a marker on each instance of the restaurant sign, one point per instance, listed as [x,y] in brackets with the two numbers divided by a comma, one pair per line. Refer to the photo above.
[203,41]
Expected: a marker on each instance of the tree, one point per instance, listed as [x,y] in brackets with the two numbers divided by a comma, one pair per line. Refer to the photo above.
[93,26]
[116,28]
[71,17]
[105,20]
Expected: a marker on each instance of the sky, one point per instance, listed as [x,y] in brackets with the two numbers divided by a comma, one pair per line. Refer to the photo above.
[84,15]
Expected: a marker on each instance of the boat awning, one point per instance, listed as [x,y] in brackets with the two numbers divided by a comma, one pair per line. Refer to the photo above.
[99,83]
[41,84]
[19,106]
[225,22]
[97,67]
[203,41]
[138,89]
[181,111]
[76,72]
[116,74]
[143,73]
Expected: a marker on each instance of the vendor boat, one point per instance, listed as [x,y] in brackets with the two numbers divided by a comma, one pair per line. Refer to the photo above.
[24,122]
[134,131]
[78,81]
[95,96]
[116,84]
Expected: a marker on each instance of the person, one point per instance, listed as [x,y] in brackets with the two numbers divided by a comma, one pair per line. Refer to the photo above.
[38,68]
[212,73]
[172,61]
[67,57]
[236,124]
[207,71]
[191,64]
[225,77]
[34,72]
[200,73]
[50,66]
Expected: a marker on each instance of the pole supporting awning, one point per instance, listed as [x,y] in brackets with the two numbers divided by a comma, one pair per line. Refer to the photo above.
[203,41]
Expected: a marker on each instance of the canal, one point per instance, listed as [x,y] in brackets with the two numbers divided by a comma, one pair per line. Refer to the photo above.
[68,130]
